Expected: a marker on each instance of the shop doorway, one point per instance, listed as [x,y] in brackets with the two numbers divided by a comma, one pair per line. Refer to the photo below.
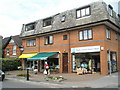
[65,63]
[96,63]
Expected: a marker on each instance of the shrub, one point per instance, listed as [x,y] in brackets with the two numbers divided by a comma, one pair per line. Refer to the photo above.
[22,74]
[9,64]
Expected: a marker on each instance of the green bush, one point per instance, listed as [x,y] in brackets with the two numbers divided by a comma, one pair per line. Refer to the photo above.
[9,64]
[22,74]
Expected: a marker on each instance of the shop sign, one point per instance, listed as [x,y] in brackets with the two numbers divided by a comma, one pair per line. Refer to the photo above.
[85,49]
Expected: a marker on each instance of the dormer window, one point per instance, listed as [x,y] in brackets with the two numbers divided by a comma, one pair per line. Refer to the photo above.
[47,22]
[110,10]
[82,12]
[30,26]
[63,18]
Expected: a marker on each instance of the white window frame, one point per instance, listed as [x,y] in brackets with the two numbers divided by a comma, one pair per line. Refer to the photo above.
[81,35]
[45,22]
[31,42]
[108,35]
[7,51]
[14,49]
[110,10]
[48,40]
[83,12]
[30,26]
[85,35]
[90,34]
[63,18]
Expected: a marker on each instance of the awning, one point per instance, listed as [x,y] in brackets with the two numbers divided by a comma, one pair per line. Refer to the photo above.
[42,56]
[27,55]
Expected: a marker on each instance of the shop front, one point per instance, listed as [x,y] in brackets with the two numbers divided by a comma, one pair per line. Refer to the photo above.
[86,58]
[24,58]
[52,58]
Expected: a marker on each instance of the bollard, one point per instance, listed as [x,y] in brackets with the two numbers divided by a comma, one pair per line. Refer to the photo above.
[27,74]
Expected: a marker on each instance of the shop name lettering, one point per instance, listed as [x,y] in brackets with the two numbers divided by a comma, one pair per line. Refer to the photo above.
[86,49]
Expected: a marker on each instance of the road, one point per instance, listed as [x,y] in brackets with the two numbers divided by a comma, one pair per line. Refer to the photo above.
[21,84]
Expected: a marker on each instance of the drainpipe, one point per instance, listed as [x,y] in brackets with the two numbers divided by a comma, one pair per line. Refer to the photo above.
[69,50]
[39,62]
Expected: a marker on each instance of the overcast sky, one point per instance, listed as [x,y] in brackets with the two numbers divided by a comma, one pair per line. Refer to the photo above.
[14,13]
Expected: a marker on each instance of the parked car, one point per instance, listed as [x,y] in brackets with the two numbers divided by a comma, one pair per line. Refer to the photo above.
[2,75]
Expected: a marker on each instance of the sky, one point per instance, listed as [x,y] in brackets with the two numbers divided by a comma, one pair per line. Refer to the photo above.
[14,13]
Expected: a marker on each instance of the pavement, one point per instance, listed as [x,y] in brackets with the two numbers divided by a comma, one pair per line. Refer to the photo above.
[72,80]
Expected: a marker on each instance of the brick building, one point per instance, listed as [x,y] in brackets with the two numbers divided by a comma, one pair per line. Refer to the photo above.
[12,47]
[86,37]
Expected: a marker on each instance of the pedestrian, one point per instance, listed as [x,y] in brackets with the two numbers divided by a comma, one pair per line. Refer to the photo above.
[46,67]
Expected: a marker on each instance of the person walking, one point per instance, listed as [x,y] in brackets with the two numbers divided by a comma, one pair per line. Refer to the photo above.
[46,67]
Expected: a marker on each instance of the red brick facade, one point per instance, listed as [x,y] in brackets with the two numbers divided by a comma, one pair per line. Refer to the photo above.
[64,46]
[10,47]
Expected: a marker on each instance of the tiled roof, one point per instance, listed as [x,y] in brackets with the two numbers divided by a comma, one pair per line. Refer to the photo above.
[16,39]
[5,41]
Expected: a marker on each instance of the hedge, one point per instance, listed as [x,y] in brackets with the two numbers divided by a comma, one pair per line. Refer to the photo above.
[9,64]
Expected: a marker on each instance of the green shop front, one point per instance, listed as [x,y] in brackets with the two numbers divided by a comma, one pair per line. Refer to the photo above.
[38,61]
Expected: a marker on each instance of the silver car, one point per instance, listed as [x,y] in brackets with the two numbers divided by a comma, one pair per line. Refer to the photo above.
[2,75]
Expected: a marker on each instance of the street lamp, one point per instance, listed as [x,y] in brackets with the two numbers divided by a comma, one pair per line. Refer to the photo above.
[21,49]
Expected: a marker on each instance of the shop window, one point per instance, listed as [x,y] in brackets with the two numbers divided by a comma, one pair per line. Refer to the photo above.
[88,61]
[47,22]
[83,12]
[108,33]
[31,42]
[111,56]
[30,26]
[85,35]
[48,40]
[14,50]
[64,37]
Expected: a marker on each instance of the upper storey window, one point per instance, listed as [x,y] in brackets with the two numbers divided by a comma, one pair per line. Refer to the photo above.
[110,10]
[63,18]
[85,35]
[47,22]
[82,12]
[48,40]
[108,36]
[30,26]
[31,42]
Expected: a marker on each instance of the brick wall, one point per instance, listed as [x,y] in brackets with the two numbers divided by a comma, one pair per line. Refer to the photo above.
[63,46]
[10,47]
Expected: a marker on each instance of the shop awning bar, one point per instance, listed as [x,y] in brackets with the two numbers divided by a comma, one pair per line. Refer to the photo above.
[27,55]
[42,56]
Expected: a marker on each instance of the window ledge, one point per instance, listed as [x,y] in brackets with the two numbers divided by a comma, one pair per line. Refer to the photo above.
[83,17]
[30,30]
[49,44]
[47,26]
